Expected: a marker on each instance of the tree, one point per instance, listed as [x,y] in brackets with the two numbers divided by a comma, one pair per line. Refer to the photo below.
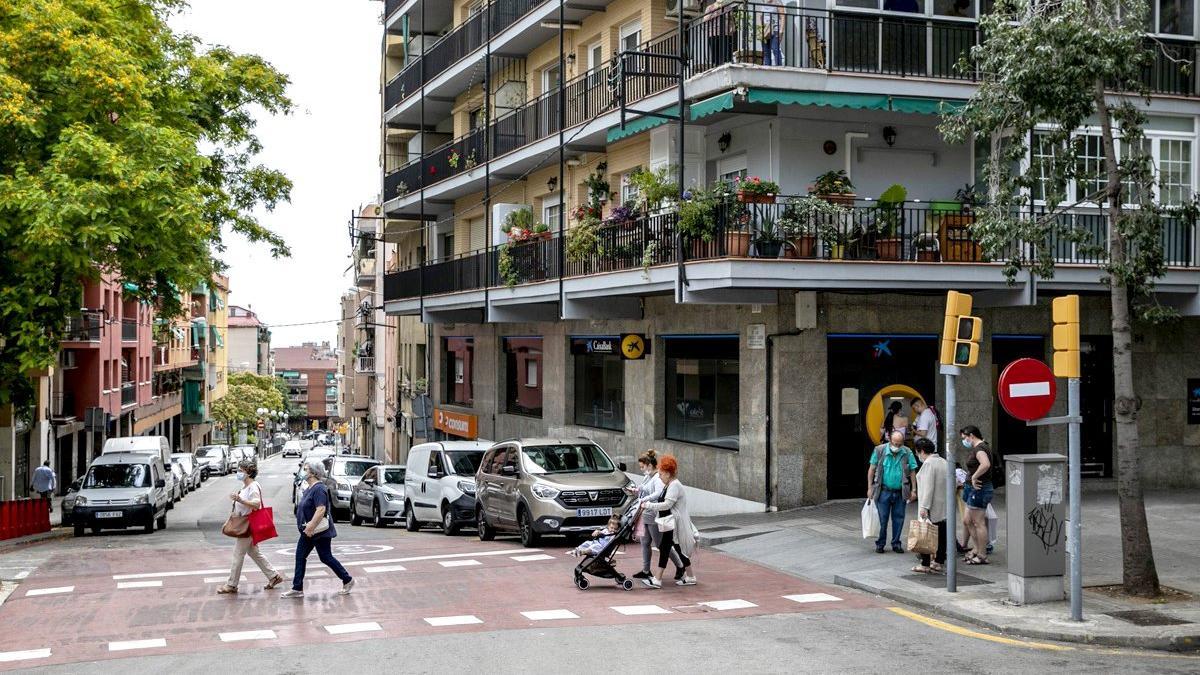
[288,406]
[1045,70]
[247,393]
[125,148]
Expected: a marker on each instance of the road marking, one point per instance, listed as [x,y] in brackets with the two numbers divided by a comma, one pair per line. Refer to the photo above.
[151,575]
[24,655]
[248,635]
[459,563]
[640,610]
[139,584]
[446,556]
[215,580]
[957,630]
[384,568]
[344,628]
[21,575]
[136,644]
[529,558]
[550,615]
[1029,389]
[723,605]
[49,591]
[317,573]
[453,620]
[813,597]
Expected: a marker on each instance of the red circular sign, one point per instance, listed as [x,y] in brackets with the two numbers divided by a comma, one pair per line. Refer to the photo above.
[1027,389]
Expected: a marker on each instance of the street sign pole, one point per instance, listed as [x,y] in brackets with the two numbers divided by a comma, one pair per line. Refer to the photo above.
[1075,513]
[951,373]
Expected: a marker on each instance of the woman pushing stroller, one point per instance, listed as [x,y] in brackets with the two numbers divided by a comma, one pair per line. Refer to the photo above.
[668,511]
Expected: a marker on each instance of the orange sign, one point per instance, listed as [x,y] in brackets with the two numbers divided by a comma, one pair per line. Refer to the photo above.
[456,424]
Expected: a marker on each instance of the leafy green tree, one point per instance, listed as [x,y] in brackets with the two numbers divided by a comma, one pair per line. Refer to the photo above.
[247,393]
[125,148]
[1047,69]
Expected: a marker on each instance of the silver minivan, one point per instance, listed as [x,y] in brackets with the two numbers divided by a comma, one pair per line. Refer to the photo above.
[122,490]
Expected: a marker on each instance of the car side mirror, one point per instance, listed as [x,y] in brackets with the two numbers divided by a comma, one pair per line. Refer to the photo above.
[160,483]
[434,473]
[621,466]
[77,484]
[508,470]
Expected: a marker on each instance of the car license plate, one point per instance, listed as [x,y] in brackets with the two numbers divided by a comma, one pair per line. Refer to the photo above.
[109,514]
[591,513]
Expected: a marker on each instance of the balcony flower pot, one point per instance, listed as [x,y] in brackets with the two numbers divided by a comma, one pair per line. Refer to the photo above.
[737,243]
[927,255]
[842,199]
[754,198]
[889,248]
[768,249]
[803,246]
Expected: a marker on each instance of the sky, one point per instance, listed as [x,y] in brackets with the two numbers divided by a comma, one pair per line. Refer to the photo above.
[329,148]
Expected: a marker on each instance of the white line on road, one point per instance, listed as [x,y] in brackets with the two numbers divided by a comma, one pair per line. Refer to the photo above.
[24,655]
[722,605]
[151,575]
[215,580]
[136,644]
[550,615]
[353,628]
[453,620]
[384,568]
[139,584]
[813,597]
[248,635]
[530,558]
[21,575]
[459,563]
[641,610]
[49,591]
[317,573]
[446,556]
[1024,389]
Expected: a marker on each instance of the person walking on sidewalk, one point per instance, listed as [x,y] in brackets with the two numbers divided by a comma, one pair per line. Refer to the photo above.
[316,531]
[977,493]
[650,488]
[248,499]
[890,486]
[931,501]
[44,482]
[674,523]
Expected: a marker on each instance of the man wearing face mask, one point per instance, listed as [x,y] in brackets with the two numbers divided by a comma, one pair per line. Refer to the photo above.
[248,499]
[890,486]
[316,531]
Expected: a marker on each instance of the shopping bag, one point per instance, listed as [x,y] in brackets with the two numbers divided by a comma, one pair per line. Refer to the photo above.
[262,525]
[922,537]
[992,521]
[870,520]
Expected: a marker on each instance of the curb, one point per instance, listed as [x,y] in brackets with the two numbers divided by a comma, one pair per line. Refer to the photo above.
[55,533]
[1174,643]
[711,540]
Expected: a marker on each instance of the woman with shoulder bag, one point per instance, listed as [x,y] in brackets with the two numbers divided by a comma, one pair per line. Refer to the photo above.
[245,501]
[674,523]
[651,487]
[316,531]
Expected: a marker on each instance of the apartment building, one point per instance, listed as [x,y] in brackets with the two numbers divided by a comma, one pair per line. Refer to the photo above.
[310,372]
[763,367]
[249,347]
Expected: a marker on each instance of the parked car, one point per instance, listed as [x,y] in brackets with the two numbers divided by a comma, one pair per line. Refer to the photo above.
[213,460]
[247,453]
[191,469]
[68,502]
[181,479]
[343,473]
[439,484]
[379,496]
[175,483]
[292,449]
[540,486]
[121,490]
[155,444]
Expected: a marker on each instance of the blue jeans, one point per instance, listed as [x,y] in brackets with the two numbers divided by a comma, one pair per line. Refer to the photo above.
[322,544]
[890,505]
[772,54]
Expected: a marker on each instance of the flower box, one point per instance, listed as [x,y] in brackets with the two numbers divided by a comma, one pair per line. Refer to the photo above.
[845,199]
[755,198]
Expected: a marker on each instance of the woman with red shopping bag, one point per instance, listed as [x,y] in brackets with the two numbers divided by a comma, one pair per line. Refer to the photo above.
[248,526]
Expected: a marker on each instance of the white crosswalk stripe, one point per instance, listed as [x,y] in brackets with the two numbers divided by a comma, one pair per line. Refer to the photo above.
[530,558]
[463,620]
[136,644]
[248,635]
[24,655]
[139,584]
[550,615]
[445,556]
[49,591]
[813,597]
[218,580]
[151,575]
[342,629]
[723,605]
[641,610]
[459,563]
[384,568]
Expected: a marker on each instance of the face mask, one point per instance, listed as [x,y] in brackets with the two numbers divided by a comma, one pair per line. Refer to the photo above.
[241,475]
[647,472]
[966,443]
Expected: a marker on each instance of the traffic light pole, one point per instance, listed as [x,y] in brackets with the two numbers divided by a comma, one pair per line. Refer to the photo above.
[1074,544]
[951,529]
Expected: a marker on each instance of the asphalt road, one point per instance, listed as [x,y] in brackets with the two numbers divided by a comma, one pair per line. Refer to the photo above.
[425,602]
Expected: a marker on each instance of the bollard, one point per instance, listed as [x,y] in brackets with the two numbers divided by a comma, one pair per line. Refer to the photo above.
[4,521]
[43,521]
[23,518]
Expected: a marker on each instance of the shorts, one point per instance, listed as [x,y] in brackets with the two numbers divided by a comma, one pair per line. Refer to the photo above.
[978,499]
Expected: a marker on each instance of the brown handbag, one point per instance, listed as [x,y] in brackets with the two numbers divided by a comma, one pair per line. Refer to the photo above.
[236,526]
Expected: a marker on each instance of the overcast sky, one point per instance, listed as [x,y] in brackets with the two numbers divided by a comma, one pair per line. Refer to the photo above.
[329,148]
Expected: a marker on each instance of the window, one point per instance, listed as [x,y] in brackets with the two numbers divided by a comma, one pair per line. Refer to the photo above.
[585,458]
[595,61]
[631,35]
[551,77]
[1174,171]
[1090,152]
[522,359]
[458,355]
[473,119]
[599,383]
[1173,17]
[702,390]
[1043,152]
[551,207]
[447,245]
[731,167]
[629,191]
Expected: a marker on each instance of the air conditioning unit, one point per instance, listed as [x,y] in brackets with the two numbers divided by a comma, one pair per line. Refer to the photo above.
[66,359]
[690,7]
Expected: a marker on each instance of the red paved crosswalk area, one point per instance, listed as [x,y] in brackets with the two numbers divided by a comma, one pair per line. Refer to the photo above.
[186,612]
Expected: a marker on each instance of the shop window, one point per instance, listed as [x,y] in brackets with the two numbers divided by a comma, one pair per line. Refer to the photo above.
[458,355]
[599,383]
[702,390]
[523,372]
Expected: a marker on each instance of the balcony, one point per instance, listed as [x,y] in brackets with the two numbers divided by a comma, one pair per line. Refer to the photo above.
[364,269]
[62,406]
[128,394]
[364,364]
[86,326]
[129,330]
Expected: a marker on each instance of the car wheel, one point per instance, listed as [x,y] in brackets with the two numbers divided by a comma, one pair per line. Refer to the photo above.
[79,530]
[486,533]
[354,519]
[377,516]
[410,519]
[449,527]
[149,527]
[529,538]
[162,522]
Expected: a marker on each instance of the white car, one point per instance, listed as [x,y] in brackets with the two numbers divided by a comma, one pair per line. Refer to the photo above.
[293,449]
[439,484]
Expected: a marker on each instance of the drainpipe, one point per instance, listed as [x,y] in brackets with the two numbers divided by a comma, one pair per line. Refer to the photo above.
[769,490]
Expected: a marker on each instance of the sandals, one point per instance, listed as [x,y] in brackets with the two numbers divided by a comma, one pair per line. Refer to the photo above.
[274,582]
[921,569]
[935,568]
[977,561]
[226,589]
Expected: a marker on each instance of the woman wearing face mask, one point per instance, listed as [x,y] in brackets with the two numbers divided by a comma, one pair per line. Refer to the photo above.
[316,531]
[248,499]
[651,487]
[671,512]
[977,492]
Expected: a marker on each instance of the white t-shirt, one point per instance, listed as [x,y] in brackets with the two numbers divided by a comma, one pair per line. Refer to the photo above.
[251,493]
[927,422]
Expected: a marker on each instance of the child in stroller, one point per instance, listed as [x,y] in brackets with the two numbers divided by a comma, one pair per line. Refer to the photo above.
[599,552]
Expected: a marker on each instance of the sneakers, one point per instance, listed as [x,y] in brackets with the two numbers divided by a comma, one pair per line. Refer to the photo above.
[879,549]
[897,549]
[686,581]
[346,588]
[292,594]
[642,575]
[651,583]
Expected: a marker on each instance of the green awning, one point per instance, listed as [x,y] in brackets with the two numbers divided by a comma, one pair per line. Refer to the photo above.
[643,123]
[129,286]
[924,106]
[822,98]
[711,106]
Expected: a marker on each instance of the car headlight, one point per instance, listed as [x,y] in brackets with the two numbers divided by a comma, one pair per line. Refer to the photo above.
[544,492]
[393,497]
[80,500]
[343,486]
[141,499]
[466,486]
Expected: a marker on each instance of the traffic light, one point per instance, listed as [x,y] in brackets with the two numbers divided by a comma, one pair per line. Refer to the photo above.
[961,332]
[1065,314]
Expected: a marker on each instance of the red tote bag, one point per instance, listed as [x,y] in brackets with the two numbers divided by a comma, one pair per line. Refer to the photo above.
[262,522]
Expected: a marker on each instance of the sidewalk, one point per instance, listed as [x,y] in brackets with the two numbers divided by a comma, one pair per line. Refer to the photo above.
[825,543]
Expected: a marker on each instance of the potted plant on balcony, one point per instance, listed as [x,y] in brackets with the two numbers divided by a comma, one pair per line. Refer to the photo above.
[623,215]
[472,162]
[803,219]
[541,231]
[697,219]
[596,185]
[583,242]
[834,187]
[453,158]
[755,190]
[517,223]
[889,217]
[926,246]
[655,188]
[768,243]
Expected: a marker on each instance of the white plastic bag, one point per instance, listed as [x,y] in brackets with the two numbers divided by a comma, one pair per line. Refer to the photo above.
[870,520]
[992,521]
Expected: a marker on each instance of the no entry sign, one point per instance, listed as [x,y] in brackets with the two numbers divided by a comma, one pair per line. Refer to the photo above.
[1027,389]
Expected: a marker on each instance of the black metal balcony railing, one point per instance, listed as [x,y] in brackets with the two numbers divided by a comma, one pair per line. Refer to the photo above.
[129,330]
[390,7]
[84,327]
[128,393]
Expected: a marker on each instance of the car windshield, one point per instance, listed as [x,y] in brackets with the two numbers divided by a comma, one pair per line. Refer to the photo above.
[118,476]
[210,451]
[465,462]
[394,476]
[567,459]
[351,467]
[185,462]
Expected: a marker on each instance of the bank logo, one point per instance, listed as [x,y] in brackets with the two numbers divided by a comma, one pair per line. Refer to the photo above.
[883,348]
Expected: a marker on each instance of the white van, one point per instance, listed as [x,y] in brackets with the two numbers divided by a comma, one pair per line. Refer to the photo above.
[439,484]
[121,490]
[155,445]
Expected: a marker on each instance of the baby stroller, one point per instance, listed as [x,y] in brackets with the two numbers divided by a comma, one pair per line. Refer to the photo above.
[600,565]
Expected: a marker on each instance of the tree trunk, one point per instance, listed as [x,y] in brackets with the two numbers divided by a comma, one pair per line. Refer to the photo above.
[1139,575]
